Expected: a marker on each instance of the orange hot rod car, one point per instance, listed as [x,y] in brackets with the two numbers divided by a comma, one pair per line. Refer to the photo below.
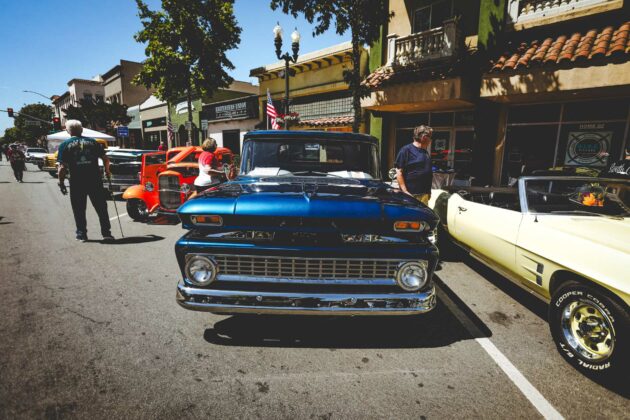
[167,180]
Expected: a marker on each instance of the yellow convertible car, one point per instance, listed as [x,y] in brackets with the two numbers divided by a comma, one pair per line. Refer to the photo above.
[567,240]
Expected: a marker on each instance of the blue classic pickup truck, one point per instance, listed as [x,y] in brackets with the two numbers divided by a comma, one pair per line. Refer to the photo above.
[308,227]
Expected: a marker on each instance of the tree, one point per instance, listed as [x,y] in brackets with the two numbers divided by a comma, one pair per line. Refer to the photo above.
[12,135]
[363,18]
[186,45]
[30,129]
[98,115]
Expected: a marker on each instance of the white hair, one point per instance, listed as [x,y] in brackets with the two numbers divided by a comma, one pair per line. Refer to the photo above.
[74,127]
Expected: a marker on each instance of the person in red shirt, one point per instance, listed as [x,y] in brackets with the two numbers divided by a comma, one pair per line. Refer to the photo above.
[162,147]
[209,174]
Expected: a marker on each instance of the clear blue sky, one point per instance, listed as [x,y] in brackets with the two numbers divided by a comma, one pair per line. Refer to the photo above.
[45,43]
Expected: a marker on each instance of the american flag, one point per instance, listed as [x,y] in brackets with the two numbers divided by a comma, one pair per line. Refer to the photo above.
[170,133]
[271,112]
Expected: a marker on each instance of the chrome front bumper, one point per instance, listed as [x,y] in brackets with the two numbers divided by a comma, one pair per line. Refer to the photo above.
[233,302]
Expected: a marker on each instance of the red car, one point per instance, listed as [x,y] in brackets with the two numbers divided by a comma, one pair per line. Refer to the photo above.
[143,199]
[176,184]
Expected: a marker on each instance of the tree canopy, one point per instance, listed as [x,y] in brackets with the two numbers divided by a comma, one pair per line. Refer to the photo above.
[98,115]
[186,45]
[364,19]
[30,130]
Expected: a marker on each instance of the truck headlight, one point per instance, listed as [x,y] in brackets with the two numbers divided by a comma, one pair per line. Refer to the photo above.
[185,188]
[412,276]
[200,270]
[149,186]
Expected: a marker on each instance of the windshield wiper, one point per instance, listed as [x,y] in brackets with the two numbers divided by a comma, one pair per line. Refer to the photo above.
[587,213]
[315,173]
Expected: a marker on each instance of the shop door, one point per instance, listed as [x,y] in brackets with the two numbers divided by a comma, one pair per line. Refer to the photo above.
[232,140]
[440,149]
[461,156]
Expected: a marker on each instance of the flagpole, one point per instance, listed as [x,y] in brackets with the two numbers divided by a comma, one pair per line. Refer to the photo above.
[266,112]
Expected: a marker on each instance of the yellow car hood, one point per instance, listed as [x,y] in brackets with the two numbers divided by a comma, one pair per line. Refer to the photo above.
[605,231]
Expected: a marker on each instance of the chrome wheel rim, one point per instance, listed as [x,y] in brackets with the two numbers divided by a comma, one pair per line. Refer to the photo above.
[142,209]
[588,330]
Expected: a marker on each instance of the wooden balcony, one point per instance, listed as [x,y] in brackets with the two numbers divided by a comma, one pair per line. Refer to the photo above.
[434,44]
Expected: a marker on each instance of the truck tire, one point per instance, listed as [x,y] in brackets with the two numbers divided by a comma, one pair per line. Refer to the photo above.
[137,210]
[53,174]
[591,331]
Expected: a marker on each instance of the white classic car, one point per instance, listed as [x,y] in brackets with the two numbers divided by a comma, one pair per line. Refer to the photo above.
[567,240]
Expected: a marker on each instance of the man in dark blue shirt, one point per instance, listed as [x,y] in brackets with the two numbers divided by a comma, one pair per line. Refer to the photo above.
[414,171]
[80,156]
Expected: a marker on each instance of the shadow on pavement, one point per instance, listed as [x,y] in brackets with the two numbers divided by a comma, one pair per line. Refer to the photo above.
[163,220]
[32,182]
[129,240]
[437,328]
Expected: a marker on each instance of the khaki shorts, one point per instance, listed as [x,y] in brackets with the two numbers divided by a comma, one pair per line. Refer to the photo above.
[423,198]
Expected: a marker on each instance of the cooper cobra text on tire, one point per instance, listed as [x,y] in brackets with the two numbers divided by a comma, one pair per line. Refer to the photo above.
[591,330]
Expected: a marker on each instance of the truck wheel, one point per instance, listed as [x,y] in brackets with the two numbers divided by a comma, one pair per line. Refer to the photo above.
[53,174]
[591,331]
[40,166]
[137,210]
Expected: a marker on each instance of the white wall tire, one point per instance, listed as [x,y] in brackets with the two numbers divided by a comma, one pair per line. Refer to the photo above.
[591,330]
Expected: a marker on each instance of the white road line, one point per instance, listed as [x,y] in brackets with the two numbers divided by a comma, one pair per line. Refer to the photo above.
[527,389]
[122,215]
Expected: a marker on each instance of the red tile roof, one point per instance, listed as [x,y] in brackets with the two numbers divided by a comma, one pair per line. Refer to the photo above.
[578,48]
[328,122]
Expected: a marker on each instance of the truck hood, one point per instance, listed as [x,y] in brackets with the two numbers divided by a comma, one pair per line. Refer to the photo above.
[358,200]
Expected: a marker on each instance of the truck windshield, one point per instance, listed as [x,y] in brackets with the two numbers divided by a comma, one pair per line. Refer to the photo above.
[310,157]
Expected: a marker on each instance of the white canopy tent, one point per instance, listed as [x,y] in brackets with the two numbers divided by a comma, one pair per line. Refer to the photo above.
[63,135]
[55,139]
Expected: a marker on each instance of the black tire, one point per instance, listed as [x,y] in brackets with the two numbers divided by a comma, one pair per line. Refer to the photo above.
[602,354]
[53,174]
[137,210]
[40,166]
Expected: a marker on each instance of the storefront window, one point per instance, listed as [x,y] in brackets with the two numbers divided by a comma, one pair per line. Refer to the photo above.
[563,137]
[441,119]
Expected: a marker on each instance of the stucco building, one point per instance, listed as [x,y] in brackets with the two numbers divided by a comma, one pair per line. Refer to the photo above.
[178,112]
[318,92]
[118,85]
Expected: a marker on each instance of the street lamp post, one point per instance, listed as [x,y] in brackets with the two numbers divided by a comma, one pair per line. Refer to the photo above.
[37,93]
[295,46]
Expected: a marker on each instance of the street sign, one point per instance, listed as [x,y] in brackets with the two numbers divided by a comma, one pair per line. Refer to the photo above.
[29,122]
[123,131]
[188,125]
[204,125]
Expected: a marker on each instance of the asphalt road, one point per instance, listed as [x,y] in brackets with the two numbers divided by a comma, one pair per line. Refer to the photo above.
[92,330]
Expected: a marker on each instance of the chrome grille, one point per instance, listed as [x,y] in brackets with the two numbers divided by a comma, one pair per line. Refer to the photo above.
[170,195]
[313,268]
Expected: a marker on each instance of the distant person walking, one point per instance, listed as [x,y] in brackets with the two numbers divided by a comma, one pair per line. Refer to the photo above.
[414,171]
[18,162]
[208,163]
[79,155]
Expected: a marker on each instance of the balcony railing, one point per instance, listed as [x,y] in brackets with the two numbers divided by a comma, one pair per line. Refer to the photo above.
[527,10]
[433,44]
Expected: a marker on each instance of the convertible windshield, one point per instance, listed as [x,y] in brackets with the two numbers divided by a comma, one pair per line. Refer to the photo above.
[579,196]
[310,157]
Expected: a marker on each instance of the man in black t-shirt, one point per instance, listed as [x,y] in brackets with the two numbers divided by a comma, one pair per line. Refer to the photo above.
[414,170]
[80,155]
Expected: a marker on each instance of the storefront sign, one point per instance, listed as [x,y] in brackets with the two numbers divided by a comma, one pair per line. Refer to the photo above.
[155,122]
[588,148]
[237,109]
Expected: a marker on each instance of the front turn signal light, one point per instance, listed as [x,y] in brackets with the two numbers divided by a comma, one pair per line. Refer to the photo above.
[203,220]
[406,226]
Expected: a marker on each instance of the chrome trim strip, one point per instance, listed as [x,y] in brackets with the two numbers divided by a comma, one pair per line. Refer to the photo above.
[230,302]
[347,282]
